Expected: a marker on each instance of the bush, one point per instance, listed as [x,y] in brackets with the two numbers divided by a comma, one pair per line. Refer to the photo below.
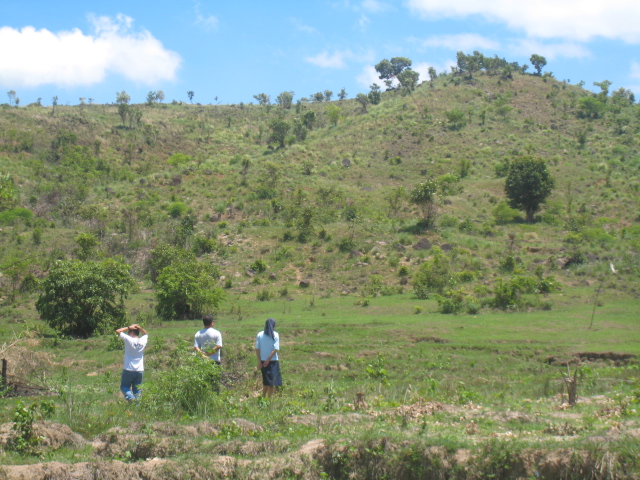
[259,266]
[186,385]
[346,244]
[164,255]
[9,217]
[503,213]
[433,276]
[80,298]
[176,209]
[187,290]
[203,245]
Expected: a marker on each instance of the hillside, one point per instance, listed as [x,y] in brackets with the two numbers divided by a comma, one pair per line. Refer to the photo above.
[419,340]
[131,183]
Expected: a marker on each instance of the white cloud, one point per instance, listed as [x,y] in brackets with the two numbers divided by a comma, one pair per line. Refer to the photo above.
[302,27]
[550,51]
[363,22]
[578,20]
[635,71]
[375,6]
[31,57]
[368,77]
[208,21]
[335,60]
[423,69]
[462,41]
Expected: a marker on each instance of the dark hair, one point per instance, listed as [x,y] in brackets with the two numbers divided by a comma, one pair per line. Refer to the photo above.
[134,330]
[207,320]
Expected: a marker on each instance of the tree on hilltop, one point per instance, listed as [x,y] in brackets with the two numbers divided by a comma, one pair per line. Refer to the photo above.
[538,62]
[398,68]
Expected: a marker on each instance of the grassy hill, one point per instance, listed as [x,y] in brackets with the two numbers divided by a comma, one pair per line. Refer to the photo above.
[321,234]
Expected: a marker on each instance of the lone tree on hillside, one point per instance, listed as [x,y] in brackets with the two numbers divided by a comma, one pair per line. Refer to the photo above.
[538,62]
[528,184]
[424,195]
[190,94]
[80,298]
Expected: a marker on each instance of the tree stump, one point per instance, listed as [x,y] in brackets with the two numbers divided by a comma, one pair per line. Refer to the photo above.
[571,382]
[360,403]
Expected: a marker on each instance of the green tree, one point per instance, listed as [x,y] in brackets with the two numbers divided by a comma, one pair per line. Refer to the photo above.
[455,118]
[425,196]
[123,111]
[334,113]
[590,107]
[363,100]
[190,94]
[343,94]
[12,96]
[433,276]
[86,245]
[528,184]
[327,95]
[8,192]
[285,100]
[432,76]
[538,62]
[151,98]
[279,130]
[263,99]
[390,69]
[122,97]
[408,80]
[375,95]
[80,298]
[164,255]
[187,290]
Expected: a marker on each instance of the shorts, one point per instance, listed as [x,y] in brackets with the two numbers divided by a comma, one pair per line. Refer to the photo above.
[271,376]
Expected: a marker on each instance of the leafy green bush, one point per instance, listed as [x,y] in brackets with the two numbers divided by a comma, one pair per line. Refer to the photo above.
[259,266]
[503,213]
[164,255]
[433,276]
[178,159]
[452,301]
[203,245]
[9,217]
[176,209]
[187,290]
[187,384]
[80,298]
[346,244]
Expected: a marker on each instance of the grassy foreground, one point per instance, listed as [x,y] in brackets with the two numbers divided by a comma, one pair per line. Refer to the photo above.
[443,396]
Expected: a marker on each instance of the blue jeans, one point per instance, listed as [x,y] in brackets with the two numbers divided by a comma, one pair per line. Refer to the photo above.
[129,383]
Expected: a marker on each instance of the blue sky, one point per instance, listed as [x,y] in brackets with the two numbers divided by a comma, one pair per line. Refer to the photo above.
[233,50]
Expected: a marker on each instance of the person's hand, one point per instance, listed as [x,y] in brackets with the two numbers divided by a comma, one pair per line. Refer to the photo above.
[266,363]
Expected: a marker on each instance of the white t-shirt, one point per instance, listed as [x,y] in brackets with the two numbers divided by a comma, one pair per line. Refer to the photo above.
[266,345]
[206,339]
[134,352]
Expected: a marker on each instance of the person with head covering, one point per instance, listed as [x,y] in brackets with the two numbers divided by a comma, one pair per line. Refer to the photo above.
[267,347]
[208,341]
[133,370]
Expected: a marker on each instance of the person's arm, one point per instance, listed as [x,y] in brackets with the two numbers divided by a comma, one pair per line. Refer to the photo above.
[122,330]
[266,362]
[258,355]
[142,330]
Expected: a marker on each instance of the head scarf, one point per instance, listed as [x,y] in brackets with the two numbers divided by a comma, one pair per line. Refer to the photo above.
[269,328]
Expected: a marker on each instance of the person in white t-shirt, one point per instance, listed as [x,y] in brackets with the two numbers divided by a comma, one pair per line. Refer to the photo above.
[134,345]
[208,341]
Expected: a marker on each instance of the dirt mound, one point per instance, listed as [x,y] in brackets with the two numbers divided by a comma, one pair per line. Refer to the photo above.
[53,435]
[617,359]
